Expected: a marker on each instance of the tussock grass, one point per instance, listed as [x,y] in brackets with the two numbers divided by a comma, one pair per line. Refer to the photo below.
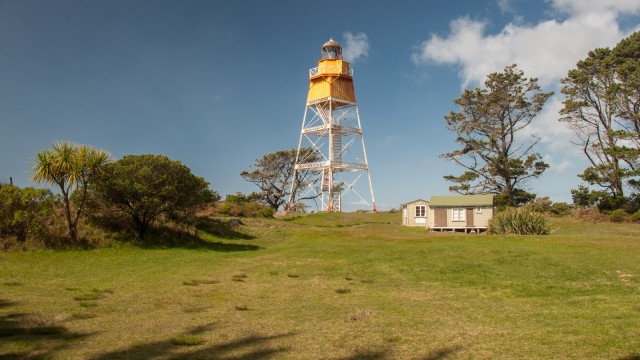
[197,282]
[239,277]
[95,294]
[86,297]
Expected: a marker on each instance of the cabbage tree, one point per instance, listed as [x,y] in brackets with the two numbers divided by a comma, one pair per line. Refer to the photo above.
[71,167]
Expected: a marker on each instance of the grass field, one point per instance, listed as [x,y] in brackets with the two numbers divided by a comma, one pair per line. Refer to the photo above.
[332,286]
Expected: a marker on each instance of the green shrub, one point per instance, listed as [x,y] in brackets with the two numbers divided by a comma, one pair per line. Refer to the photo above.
[560,209]
[246,209]
[540,204]
[25,213]
[519,222]
[590,215]
[611,203]
[636,216]
[617,216]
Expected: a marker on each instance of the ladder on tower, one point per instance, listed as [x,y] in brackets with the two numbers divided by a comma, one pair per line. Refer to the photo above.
[337,148]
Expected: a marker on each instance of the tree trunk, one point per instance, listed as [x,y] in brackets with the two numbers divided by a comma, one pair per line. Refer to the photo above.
[141,227]
[73,232]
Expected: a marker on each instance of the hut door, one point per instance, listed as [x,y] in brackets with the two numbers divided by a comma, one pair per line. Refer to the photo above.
[470,218]
[440,217]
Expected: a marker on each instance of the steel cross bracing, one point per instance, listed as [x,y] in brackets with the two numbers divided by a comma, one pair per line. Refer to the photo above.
[331,127]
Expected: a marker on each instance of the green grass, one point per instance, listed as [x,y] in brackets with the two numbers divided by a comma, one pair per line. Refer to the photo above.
[187,340]
[343,286]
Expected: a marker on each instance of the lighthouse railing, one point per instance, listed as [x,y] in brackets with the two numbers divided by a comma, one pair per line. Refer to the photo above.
[318,70]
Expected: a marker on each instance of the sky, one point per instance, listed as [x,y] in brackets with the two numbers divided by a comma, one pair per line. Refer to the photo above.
[218,84]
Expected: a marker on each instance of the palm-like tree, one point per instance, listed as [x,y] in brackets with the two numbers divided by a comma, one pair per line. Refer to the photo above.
[72,167]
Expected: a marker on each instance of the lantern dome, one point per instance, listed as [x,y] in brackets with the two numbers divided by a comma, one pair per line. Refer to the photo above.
[331,50]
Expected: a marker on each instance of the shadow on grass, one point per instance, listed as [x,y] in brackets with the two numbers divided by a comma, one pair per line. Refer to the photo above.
[36,336]
[438,354]
[221,228]
[367,355]
[162,238]
[7,303]
[631,357]
[248,347]
[442,353]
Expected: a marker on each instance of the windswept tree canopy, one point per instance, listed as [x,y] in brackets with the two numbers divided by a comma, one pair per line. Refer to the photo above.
[497,160]
[602,108]
[273,174]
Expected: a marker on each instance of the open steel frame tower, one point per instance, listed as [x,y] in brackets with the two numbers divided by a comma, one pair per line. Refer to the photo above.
[331,128]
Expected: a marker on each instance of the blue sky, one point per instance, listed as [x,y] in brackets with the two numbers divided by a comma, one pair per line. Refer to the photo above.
[217,84]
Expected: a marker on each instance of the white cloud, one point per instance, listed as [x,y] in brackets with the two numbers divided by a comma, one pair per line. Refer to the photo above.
[505,6]
[355,47]
[546,50]
[596,6]
[553,134]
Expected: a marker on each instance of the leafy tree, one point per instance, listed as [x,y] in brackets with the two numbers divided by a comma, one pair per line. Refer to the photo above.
[602,108]
[487,126]
[626,59]
[24,212]
[142,188]
[72,167]
[583,196]
[589,112]
[541,204]
[273,175]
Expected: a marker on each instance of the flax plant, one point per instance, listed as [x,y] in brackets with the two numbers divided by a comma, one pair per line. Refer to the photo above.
[519,222]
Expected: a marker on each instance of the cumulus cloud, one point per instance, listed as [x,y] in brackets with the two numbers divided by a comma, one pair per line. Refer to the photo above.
[355,47]
[574,7]
[546,50]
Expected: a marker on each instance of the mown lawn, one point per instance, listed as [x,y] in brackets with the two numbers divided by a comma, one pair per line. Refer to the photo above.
[332,286]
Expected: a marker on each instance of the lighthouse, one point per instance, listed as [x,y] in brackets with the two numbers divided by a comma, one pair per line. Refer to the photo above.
[335,172]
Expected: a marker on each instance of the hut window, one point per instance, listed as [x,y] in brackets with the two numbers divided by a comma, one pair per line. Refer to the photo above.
[478,210]
[421,210]
[458,214]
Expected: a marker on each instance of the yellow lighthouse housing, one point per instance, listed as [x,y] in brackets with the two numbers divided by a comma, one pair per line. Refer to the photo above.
[331,129]
[332,79]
